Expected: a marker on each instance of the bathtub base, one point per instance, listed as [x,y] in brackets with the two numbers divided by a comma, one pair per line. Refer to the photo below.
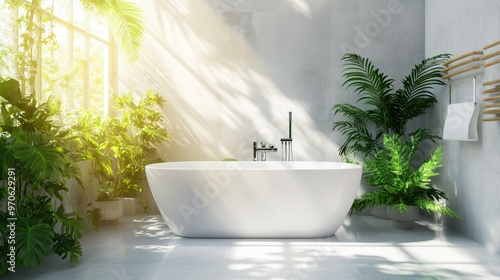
[254,199]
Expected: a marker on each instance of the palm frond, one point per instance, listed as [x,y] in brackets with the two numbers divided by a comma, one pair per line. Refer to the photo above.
[416,96]
[388,111]
[359,137]
[372,87]
[351,112]
[126,21]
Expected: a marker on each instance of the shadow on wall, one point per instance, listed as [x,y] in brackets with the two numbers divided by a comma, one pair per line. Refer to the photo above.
[220,94]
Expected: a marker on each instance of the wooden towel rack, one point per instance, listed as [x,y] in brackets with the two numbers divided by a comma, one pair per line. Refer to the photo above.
[491,106]
[495,55]
[463,63]
[474,60]
[491,88]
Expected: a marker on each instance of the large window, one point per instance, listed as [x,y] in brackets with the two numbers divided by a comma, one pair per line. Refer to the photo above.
[75,59]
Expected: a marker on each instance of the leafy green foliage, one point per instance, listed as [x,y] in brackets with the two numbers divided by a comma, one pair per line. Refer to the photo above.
[397,183]
[33,242]
[71,223]
[64,245]
[94,216]
[120,147]
[32,36]
[386,110]
[44,158]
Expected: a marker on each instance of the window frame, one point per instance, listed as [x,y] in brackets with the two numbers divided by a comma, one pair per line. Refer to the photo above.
[110,68]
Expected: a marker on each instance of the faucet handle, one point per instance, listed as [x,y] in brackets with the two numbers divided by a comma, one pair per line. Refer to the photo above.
[271,146]
[263,144]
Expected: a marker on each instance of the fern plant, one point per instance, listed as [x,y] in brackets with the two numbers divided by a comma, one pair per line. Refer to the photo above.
[385,110]
[397,183]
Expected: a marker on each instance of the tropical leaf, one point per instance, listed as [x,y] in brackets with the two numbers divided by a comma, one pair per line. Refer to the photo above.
[387,110]
[125,19]
[372,87]
[351,112]
[6,154]
[33,242]
[42,160]
[10,90]
[37,209]
[416,96]
[94,216]
[65,244]
[71,223]
[127,22]
[54,188]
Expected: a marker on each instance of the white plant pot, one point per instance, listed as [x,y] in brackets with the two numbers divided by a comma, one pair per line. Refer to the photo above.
[110,210]
[403,220]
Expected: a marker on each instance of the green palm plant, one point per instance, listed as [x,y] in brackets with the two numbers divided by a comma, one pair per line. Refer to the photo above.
[397,183]
[385,110]
[125,19]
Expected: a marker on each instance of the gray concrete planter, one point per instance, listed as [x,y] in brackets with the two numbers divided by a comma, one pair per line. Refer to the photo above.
[111,210]
[403,220]
[380,212]
[131,206]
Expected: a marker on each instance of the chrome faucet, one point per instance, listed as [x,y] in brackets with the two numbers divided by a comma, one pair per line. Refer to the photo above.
[286,143]
[264,147]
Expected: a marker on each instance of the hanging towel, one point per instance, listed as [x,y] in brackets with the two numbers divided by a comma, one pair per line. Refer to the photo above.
[461,122]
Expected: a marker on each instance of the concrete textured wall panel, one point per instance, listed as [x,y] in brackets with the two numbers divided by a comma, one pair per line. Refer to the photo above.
[231,70]
[471,172]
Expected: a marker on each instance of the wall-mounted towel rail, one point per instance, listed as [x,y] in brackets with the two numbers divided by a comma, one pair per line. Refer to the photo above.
[464,63]
[497,43]
[491,105]
[489,83]
[488,64]
[462,57]
[474,62]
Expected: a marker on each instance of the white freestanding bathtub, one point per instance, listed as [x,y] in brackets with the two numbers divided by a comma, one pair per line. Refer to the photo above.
[254,199]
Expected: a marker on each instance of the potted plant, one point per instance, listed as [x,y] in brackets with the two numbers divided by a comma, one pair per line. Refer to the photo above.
[400,185]
[38,157]
[384,109]
[120,146]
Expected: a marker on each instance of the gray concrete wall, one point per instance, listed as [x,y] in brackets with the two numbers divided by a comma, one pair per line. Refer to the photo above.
[471,172]
[231,70]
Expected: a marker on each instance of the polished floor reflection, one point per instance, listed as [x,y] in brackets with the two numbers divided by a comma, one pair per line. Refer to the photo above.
[142,247]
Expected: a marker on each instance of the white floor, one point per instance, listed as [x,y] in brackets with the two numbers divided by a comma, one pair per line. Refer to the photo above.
[142,247]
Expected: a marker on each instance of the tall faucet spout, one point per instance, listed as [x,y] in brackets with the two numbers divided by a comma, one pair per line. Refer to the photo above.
[254,151]
[286,143]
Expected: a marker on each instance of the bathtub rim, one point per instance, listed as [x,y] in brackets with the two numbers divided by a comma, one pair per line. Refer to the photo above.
[253,165]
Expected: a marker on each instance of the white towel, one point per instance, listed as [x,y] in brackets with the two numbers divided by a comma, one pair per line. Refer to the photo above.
[461,122]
